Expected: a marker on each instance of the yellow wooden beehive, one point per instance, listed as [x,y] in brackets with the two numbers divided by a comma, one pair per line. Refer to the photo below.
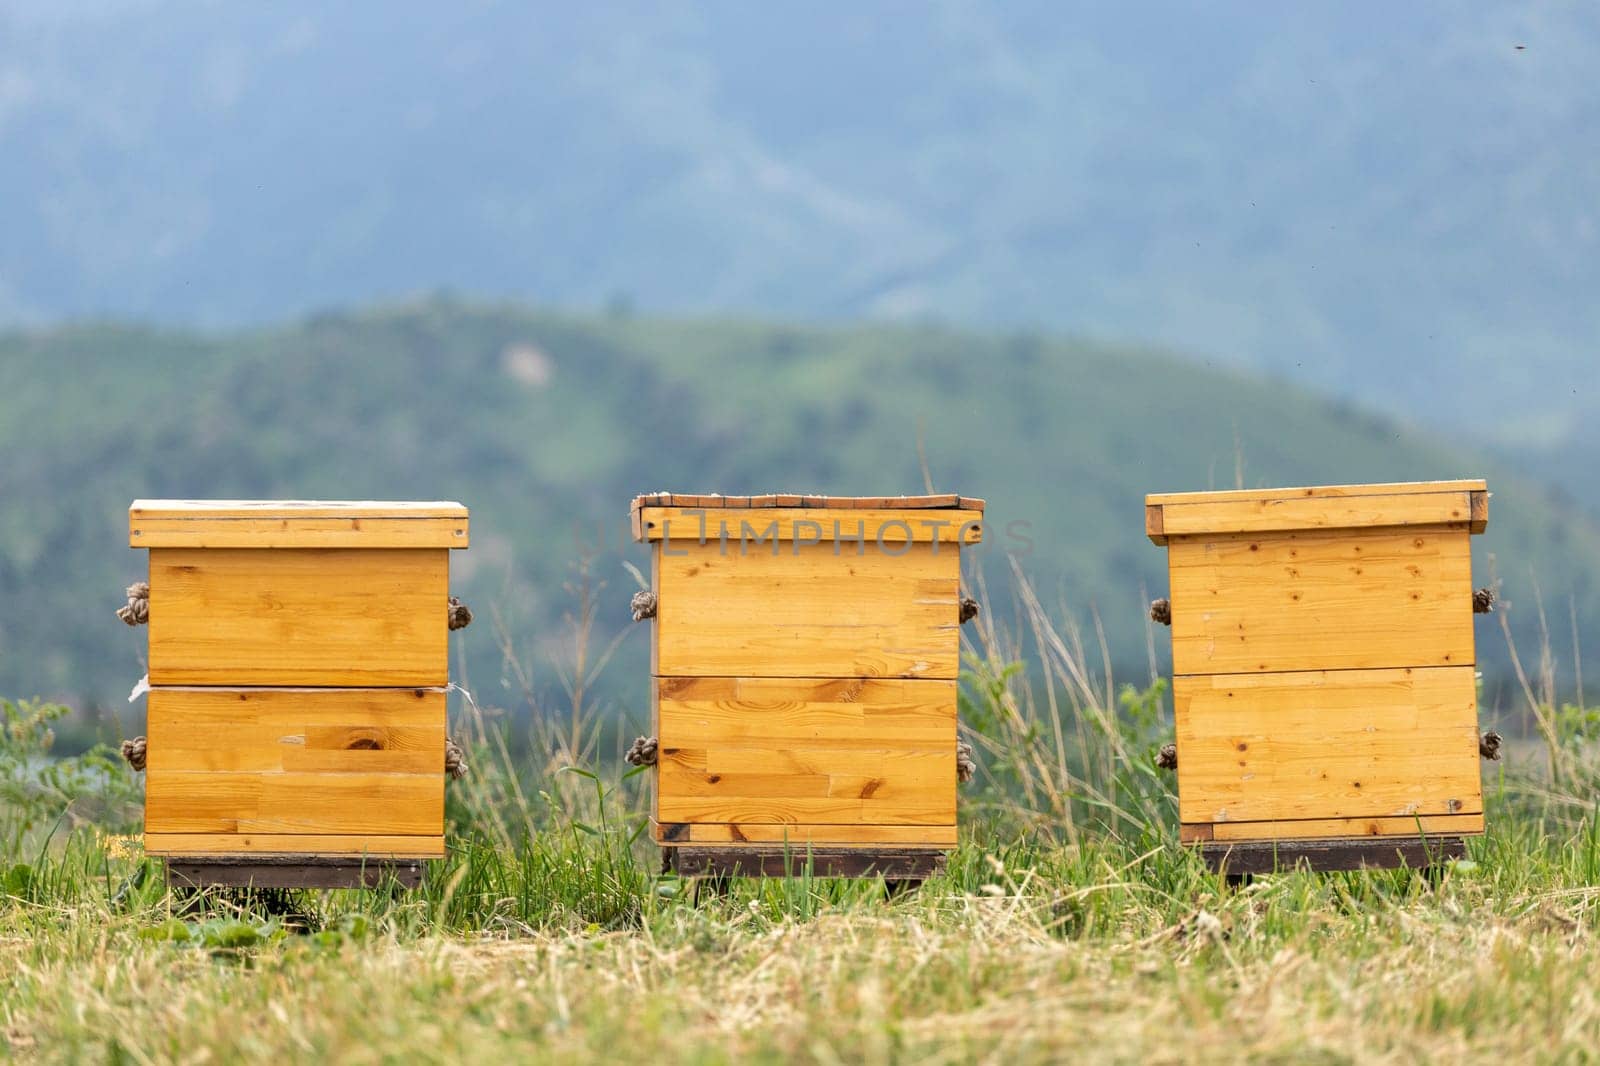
[805,655]
[298,664]
[1324,671]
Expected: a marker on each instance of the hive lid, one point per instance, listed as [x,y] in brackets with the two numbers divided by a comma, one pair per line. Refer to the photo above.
[845,503]
[966,526]
[1407,503]
[296,524]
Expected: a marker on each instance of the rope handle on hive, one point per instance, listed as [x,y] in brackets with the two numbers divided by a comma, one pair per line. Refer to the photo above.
[455,760]
[137,610]
[642,606]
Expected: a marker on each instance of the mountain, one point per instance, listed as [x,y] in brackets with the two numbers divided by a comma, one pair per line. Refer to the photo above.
[547,424]
[1399,210]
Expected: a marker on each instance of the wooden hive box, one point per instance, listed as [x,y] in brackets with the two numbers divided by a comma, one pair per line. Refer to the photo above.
[1324,674]
[298,664]
[804,657]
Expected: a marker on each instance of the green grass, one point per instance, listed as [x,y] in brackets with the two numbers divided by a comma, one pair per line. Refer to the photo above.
[1068,924]
[1021,952]
[1063,437]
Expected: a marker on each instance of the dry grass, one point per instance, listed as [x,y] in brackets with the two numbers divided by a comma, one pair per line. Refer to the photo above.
[981,977]
[1069,925]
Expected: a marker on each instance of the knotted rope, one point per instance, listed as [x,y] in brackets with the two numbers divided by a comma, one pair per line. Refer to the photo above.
[460,614]
[137,612]
[1161,611]
[1167,757]
[1489,745]
[455,760]
[966,766]
[134,751]
[1483,601]
[969,609]
[645,751]
[643,605]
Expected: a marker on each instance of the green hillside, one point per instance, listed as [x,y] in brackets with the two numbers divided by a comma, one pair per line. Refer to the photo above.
[547,424]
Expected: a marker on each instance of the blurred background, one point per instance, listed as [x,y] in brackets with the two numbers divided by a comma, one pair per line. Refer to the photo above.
[540,258]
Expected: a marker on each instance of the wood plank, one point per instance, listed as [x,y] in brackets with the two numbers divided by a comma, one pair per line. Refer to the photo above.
[1390,488]
[753,861]
[1154,528]
[931,836]
[735,751]
[348,845]
[334,617]
[1328,828]
[760,532]
[940,500]
[1321,601]
[271,730]
[764,713]
[1320,745]
[298,533]
[297,509]
[1353,512]
[809,612]
[673,806]
[1480,512]
[1324,856]
[295,802]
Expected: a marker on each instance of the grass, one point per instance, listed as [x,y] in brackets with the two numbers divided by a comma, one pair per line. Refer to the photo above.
[1068,924]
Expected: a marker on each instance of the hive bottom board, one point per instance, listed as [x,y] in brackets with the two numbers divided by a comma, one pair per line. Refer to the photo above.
[290,871]
[1267,856]
[903,864]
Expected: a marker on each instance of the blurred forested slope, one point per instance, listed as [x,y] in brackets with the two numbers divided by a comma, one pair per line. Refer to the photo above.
[1400,207]
[546,425]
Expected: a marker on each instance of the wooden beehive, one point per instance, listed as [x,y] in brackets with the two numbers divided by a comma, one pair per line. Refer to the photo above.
[805,655]
[298,664]
[1324,671]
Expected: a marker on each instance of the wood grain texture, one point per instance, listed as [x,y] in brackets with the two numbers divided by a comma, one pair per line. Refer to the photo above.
[757,530]
[681,499]
[353,766]
[1322,745]
[351,846]
[298,533]
[273,730]
[1480,512]
[295,803]
[742,751]
[931,836]
[446,509]
[1321,600]
[1392,488]
[296,524]
[1153,525]
[1355,512]
[335,617]
[806,613]
[1329,828]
